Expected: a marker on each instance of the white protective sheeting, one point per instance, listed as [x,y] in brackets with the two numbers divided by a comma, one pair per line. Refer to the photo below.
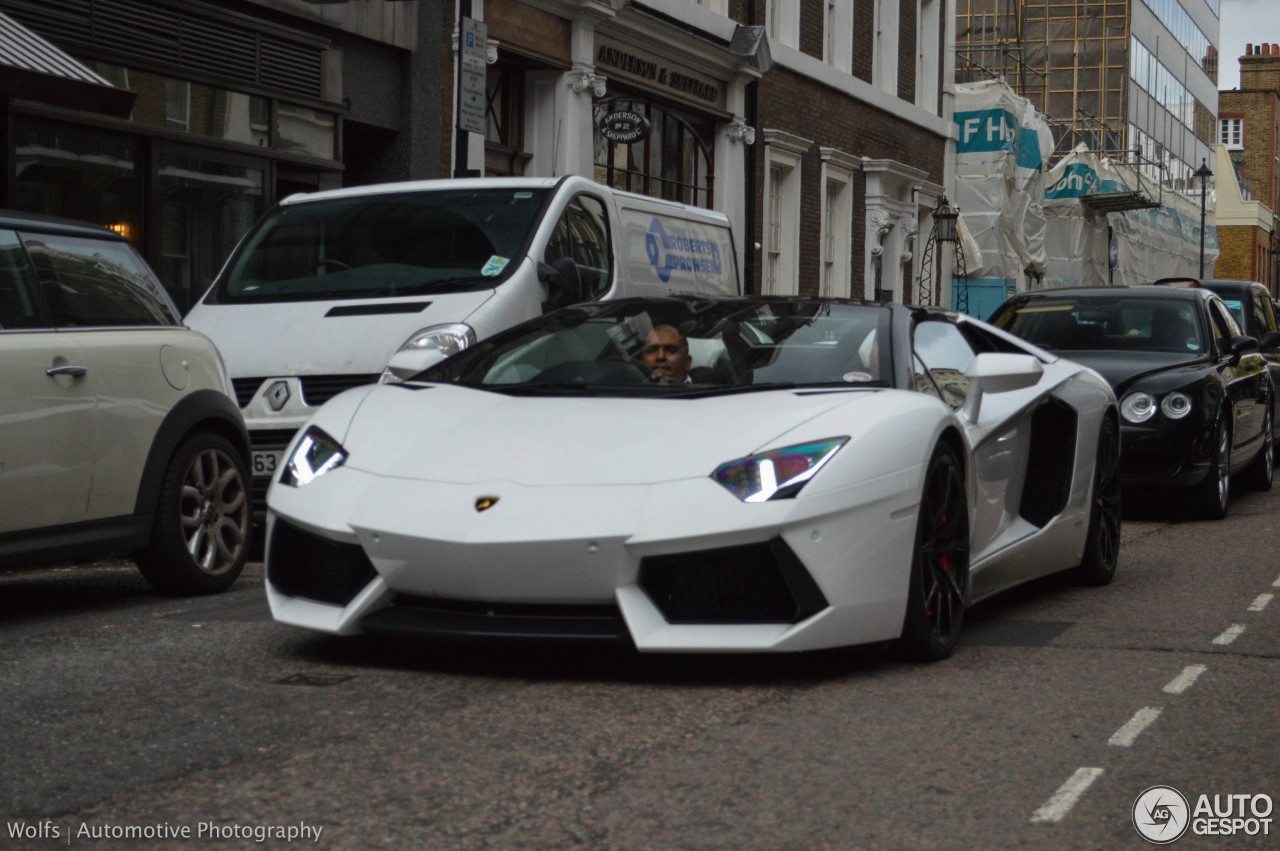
[1159,242]
[1001,149]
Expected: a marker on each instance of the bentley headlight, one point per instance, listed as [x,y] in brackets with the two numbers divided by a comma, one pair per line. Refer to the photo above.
[1176,405]
[316,454]
[1138,407]
[777,474]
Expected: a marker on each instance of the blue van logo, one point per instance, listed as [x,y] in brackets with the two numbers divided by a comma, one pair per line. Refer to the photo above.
[667,253]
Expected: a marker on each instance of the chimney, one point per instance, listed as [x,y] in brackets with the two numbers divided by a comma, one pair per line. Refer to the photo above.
[1260,68]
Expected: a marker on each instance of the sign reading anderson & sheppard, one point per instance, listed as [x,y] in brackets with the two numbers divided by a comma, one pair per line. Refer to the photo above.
[627,62]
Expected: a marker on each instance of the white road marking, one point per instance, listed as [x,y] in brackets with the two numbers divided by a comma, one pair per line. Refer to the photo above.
[1229,635]
[1260,602]
[1185,680]
[1276,584]
[1067,795]
[1141,720]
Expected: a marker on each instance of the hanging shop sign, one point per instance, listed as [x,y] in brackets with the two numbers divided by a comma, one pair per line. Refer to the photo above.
[624,126]
[658,74]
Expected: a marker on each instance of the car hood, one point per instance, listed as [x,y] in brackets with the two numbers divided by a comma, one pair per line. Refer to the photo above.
[304,338]
[459,435]
[1123,369]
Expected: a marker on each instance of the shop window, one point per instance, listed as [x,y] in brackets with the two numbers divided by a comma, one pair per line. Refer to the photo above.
[301,130]
[177,104]
[205,207]
[173,104]
[673,161]
[79,173]
[504,109]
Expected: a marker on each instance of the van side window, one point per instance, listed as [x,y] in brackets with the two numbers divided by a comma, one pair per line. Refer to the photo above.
[582,234]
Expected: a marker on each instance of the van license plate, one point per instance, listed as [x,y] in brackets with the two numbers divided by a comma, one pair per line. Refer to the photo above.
[265,463]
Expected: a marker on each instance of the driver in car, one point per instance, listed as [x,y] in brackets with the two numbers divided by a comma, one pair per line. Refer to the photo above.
[666,356]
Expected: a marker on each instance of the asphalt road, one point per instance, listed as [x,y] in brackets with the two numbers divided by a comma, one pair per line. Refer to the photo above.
[203,723]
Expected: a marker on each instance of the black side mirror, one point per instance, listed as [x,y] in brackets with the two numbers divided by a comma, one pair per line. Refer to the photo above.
[562,281]
[1270,340]
[1237,346]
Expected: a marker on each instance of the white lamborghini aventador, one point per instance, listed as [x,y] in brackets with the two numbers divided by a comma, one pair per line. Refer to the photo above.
[751,474]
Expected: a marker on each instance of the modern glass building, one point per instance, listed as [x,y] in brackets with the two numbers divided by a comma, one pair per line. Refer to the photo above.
[1134,79]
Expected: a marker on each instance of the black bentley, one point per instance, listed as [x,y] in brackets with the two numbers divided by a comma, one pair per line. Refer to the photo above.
[1195,395]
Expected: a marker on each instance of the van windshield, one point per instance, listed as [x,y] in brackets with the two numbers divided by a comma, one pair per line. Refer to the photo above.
[386,244]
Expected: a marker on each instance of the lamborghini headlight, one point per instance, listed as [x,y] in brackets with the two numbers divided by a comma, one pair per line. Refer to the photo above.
[778,473]
[316,454]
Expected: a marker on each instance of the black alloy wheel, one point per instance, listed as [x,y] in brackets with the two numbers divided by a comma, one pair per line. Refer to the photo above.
[1262,471]
[1102,541]
[1211,496]
[939,587]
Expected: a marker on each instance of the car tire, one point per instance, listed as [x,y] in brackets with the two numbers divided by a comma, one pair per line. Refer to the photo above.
[939,585]
[1211,496]
[1262,471]
[1102,540]
[203,525]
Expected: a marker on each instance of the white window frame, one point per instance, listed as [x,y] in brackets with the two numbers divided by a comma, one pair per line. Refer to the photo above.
[884,49]
[836,278]
[782,22]
[928,55]
[1231,133]
[837,34]
[720,7]
[781,272]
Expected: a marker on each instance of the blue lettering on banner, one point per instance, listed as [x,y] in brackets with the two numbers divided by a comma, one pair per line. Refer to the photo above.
[668,253]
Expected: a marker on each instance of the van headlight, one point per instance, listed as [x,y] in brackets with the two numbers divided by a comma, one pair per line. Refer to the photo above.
[427,347]
[316,454]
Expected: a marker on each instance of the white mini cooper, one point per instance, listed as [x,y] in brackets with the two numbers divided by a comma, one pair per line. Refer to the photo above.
[119,432]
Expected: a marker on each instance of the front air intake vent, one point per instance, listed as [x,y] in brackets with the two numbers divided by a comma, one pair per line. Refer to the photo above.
[755,583]
[301,564]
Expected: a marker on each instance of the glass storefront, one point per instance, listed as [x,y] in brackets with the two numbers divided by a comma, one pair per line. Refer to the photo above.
[673,161]
[185,205]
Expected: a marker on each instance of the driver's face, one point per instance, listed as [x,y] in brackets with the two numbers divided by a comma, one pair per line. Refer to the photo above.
[666,355]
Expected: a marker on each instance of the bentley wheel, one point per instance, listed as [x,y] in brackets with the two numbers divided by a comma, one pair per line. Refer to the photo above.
[1102,541]
[939,583]
[203,522]
[1262,471]
[1211,496]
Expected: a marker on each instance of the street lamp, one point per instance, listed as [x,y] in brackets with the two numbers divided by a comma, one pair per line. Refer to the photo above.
[1204,174]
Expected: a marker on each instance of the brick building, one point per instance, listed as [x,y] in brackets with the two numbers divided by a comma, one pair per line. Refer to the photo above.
[1249,133]
[854,121]
[817,126]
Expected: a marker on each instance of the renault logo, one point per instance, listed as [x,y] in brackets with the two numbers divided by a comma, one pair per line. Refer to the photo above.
[484,503]
[277,394]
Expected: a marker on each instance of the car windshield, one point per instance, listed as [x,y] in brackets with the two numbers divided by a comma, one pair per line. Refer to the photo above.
[707,346]
[1109,323]
[385,244]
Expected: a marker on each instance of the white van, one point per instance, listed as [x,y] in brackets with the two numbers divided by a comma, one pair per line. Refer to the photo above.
[336,289]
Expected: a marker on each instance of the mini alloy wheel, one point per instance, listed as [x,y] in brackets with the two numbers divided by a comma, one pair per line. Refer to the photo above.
[203,519]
